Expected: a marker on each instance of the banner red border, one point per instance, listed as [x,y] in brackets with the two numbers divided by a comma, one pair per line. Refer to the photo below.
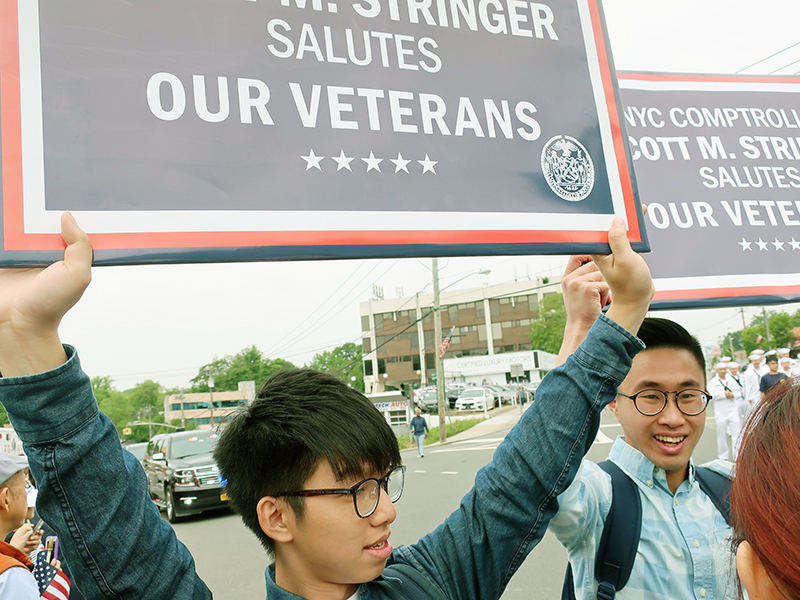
[15,238]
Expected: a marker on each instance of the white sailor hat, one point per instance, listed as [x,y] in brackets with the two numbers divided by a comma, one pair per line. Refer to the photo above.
[733,365]
[720,365]
[758,351]
[725,359]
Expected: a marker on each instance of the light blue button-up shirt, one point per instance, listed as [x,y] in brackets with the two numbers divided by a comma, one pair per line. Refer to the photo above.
[685,546]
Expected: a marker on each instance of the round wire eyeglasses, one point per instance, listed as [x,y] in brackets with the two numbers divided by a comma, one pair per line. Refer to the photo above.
[366,494]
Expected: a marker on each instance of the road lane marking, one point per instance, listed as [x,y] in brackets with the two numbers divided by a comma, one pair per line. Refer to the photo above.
[449,472]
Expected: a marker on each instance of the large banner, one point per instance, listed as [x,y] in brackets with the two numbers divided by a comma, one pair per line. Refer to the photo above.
[214,130]
[717,161]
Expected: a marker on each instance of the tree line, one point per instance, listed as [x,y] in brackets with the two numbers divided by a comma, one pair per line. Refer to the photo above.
[145,401]
[547,329]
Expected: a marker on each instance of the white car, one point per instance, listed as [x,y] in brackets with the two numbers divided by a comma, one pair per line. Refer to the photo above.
[475,399]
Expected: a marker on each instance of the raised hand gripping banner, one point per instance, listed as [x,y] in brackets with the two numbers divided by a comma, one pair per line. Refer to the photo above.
[222,130]
[717,161]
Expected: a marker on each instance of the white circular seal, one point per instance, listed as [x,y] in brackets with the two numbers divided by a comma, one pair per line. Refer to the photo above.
[567,168]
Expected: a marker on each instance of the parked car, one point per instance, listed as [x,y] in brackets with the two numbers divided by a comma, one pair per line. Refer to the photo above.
[503,394]
[182,477]
[138,450]
[428,400]
[452,392]
[475,399]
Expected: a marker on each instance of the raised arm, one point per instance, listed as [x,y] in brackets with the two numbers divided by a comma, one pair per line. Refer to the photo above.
[33,302]
[475,552]
[91,491]
[585,294]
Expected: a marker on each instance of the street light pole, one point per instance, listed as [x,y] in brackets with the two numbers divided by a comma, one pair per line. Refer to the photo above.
[437,348]
[437,341]
[211,399]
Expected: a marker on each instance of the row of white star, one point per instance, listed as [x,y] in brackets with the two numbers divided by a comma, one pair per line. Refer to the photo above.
[373,164]
[762,245]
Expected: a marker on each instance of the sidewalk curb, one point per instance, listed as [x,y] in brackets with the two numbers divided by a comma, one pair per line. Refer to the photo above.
[502,418]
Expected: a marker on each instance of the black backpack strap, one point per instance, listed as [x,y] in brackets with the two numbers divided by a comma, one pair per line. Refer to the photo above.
[718,488]
[619,541]
[568,589]
[406,583]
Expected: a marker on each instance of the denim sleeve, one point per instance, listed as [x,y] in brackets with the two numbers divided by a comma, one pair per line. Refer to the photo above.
[474,553]
[94,494]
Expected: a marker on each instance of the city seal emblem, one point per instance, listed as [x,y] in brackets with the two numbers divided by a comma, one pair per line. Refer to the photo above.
[567,168]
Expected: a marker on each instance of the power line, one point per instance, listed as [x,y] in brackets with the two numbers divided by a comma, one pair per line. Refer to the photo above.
[314,324]
[768,57]
[278,344]
[794,62]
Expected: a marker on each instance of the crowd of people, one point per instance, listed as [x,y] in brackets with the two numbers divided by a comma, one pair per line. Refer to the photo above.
[317,484]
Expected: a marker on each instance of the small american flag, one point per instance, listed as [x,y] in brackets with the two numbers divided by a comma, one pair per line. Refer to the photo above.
[759,337]
[446,343]
[53,584]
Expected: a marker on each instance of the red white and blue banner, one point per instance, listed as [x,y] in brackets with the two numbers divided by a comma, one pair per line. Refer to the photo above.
[717,161]
[225,130]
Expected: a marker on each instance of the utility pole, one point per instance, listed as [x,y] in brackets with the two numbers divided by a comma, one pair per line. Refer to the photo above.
[437,348]
[766,324]
[211,399]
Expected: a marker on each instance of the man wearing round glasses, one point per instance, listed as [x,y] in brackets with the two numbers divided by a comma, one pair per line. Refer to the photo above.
[683,549]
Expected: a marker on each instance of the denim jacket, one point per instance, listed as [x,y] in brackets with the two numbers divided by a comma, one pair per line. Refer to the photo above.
[94,494]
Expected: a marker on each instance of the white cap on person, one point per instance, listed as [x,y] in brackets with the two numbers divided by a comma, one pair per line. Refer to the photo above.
[11,464]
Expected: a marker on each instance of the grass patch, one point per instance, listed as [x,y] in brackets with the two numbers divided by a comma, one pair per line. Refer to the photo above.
[405,442]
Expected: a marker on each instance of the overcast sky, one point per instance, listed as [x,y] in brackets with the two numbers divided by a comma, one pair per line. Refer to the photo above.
[164,322]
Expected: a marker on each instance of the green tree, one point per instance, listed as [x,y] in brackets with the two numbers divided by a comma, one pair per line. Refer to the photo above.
[247,365]
[781,331]
[547,329]
[117,407]
[344,362]
[102,387]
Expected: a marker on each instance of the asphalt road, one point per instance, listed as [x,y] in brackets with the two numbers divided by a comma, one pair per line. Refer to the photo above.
[232,562]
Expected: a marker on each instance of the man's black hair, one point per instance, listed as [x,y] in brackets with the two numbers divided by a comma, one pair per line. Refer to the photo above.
[299,417]
[663,333]
[772,358]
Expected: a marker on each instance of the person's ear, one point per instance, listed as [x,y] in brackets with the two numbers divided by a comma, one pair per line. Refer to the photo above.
[614,407]
[276,518]
[5,498]
[754,576]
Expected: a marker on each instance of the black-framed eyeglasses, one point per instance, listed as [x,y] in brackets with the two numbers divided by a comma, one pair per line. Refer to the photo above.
[366,494]
[690,402]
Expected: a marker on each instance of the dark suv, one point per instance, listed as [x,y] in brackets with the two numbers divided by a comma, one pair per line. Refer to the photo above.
[182,477]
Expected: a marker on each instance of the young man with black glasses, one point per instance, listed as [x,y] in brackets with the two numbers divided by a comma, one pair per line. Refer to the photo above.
[312,467]
[684,544]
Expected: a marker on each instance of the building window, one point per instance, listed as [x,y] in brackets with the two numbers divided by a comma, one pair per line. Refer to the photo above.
[452,313]
[381,366]
[479,312]
[378,321]
[368,367]
[533,303]
[497,331]
[415,362]
[366,344]
[398,417]
[364,323]
[505,300]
